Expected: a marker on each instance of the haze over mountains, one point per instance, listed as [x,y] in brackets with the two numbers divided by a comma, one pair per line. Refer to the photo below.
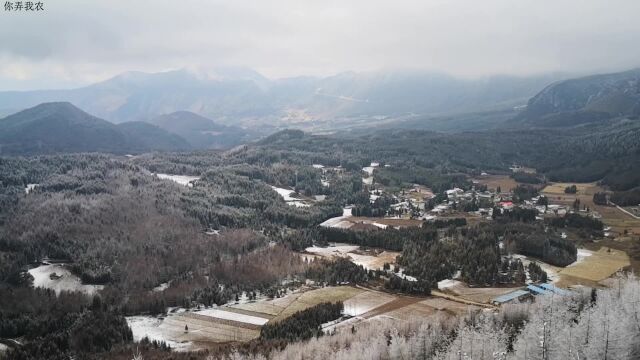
[244,97]
[147,111]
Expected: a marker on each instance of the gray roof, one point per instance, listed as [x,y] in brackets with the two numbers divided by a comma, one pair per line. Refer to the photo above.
[510,296]
[538,290]
[556,290]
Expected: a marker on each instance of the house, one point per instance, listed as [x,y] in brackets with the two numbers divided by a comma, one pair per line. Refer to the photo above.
[508,205]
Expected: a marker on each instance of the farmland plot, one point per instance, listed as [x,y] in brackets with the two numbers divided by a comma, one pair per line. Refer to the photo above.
[371,260]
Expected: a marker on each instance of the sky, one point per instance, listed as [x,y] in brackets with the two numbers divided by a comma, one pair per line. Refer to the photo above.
[78,42]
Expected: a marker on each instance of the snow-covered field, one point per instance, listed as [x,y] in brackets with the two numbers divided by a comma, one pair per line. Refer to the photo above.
[183,180]
[339,221]
[333,249]
[149,326]
[209,325]
[228,315]
[66,281]
[371,262]
[287,195]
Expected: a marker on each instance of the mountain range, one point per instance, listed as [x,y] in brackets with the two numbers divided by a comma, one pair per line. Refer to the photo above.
[585,100]
[53,127]
[244,98]
[62,127]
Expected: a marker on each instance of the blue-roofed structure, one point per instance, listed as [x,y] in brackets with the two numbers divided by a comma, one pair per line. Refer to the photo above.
[551,287]
[518,294]
[537,290]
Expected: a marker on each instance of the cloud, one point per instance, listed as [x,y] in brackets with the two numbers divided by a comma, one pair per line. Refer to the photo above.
[75,42]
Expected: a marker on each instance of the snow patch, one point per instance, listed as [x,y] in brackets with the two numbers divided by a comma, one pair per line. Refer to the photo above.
[183,180]
[43,276]
[30,187]
[228,315]
[149,326]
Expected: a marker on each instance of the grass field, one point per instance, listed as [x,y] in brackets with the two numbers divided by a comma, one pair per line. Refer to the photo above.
[611,216]
[493,181]
[595,268]
[317,296]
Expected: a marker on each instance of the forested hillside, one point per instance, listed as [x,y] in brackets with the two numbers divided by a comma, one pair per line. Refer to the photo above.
[51,128]
[584,100]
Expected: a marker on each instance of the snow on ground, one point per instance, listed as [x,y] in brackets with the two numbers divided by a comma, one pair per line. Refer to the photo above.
[149,326]
[339,221]
[320,197]
[30,187]
[287,196]
[368,170]
[447,283]
[67,281]
[228,315]
[368,180]
[406,277]
[369,262]
[317,166]
[162,287]
[334,249]
[582,254]
[285,193]
[3,347]
[180,179]
[325,183]
[552,271]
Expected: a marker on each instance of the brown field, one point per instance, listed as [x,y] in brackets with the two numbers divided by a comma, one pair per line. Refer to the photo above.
[595,268]
[611,216]
[205,329]
[250,313]
[366,301]
[317,296]
[493,181]
[410,311]
[558,188]
[271,307]
[397,303]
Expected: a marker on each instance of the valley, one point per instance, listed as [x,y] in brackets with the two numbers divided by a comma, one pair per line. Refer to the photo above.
[205,224]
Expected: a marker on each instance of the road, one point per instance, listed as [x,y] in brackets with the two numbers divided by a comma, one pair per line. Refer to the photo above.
[626,212]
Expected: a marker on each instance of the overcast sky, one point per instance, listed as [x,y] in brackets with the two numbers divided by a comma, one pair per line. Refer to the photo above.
[75,42]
